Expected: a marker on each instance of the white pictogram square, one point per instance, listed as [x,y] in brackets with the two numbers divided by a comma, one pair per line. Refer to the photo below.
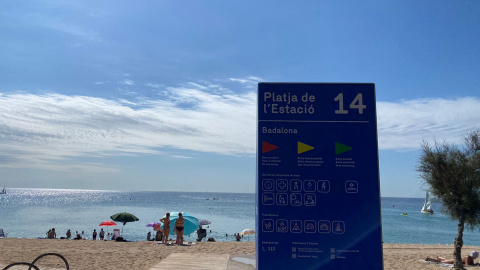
[351,186]
[310,199]
[282,199]
[309,185]
[267,185]
[267,225]
[268,198]
[323,186]
[296,185]
[282,225]
[296,199]
[282,185]
[296,226]
[310,226]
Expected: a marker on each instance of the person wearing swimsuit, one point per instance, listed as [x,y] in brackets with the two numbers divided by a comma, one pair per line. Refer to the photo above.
[179,226]
[166,227]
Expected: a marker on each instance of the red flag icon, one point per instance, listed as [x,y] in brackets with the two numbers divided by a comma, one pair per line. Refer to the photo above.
[267,147]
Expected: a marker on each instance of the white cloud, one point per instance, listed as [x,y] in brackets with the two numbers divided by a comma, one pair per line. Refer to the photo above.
[250,82]
[196,85]
[181,157]
[45,130]
[405,124]
[127,82]
[40,129]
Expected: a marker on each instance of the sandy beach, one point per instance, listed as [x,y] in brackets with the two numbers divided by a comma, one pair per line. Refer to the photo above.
[110,255]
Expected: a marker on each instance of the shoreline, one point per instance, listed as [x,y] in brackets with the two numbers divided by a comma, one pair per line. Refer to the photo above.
[143,255]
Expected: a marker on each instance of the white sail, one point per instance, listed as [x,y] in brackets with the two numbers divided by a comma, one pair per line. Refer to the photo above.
[427,205]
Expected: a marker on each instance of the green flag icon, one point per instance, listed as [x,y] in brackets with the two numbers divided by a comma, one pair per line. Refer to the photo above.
[341,148]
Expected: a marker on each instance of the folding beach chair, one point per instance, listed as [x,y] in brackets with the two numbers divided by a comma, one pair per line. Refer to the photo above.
[116,233]
[3,234]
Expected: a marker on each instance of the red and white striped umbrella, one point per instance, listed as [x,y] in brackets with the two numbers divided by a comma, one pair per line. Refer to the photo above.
[248,231]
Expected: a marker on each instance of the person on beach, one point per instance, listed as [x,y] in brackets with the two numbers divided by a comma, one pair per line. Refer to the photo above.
[52,234]
[201,233]
[179,226]
[166,227]
[159,236]
[238,237]
[467,260]
[69,234]
[94,236]
[102,234]
[149,235]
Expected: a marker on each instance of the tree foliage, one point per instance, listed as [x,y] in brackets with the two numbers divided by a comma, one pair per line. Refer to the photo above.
[452,175]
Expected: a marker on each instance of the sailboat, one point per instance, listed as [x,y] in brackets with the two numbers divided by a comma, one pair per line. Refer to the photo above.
[4,191]
[427,205]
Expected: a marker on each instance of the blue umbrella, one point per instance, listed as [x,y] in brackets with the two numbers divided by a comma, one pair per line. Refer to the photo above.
[191,223]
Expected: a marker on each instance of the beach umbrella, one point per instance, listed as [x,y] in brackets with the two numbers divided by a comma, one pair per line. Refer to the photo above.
[108,223]
[190,225]
[152,224]
[124,217]
[247,232]
[203,222]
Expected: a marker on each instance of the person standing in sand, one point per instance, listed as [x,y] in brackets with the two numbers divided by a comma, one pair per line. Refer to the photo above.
[179,228]
[166,227]
[102,234]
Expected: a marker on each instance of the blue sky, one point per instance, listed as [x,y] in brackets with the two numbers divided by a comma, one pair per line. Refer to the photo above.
[161,95]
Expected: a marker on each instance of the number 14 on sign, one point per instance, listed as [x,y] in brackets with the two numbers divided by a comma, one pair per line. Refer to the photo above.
[357,103]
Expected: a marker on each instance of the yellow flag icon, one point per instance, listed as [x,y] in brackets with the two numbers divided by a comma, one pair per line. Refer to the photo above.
[302,147]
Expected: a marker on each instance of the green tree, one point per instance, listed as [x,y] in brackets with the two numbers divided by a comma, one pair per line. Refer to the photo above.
[452,175]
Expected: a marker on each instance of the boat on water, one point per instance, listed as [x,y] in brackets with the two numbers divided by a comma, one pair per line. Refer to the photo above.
[4,191]
[427,205]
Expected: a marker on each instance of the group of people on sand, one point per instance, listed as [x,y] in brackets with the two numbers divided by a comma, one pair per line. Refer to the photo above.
[179,227]
[101,235]
[51,234]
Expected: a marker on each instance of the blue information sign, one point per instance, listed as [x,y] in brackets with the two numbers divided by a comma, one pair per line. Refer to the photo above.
[318,191]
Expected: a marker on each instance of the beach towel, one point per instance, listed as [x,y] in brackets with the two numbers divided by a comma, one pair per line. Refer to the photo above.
[449,265]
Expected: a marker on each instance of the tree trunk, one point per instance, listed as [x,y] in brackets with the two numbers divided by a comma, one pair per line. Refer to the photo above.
[459,243]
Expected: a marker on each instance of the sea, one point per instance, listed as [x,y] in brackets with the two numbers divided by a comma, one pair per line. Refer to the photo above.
[30,213]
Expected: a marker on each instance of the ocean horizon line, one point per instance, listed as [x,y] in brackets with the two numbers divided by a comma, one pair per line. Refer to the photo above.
[171,191]
[119,190]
